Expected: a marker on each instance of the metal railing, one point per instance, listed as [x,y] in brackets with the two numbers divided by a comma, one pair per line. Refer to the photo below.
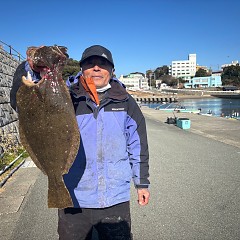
[11,51]
[13,170]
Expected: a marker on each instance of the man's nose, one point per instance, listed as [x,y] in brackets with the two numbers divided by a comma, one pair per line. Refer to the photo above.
[96,67]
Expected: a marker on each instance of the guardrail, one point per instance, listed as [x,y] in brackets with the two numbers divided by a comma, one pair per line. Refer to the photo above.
[11,51]
[14,170]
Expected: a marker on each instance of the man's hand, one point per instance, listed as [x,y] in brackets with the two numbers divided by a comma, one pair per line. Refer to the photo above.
[28,80]
[143,196]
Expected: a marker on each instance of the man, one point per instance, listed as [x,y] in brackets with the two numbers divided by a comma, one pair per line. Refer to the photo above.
[113,149]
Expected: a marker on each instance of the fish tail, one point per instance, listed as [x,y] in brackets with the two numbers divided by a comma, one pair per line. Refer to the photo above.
[58,195]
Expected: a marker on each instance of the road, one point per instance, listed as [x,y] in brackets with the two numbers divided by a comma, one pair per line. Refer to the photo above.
[195,192]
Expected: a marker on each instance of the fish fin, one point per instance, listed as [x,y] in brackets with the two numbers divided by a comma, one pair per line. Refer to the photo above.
[28,148]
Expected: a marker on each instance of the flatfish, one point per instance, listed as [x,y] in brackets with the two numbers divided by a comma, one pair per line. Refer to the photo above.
[48,127]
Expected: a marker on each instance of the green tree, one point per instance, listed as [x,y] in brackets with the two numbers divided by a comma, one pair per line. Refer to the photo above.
[231,75]
[150,74]
[169,80]
[160,71]
[201,73]
[72,68]
[151,77]
[181,80]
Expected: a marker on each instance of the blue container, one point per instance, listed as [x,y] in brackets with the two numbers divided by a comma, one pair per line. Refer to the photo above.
[183,123]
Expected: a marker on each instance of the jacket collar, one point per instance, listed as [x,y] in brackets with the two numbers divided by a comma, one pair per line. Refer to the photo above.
[117,91]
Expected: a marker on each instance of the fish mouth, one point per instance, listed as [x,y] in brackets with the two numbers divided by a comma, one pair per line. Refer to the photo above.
[45,57]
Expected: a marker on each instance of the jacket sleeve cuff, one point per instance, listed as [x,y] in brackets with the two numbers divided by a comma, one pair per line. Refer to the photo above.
[141,186]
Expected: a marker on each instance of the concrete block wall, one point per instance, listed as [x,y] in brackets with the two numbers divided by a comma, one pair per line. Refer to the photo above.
[9,137]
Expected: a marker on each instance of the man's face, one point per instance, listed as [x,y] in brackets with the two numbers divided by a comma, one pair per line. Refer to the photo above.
[99,69]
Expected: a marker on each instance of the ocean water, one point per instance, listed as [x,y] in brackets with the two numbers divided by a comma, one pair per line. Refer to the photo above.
[218,106]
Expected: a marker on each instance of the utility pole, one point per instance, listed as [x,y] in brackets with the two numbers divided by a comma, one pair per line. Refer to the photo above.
[150,82]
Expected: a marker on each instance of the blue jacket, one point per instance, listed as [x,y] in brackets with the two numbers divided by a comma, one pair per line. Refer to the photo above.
[113,148]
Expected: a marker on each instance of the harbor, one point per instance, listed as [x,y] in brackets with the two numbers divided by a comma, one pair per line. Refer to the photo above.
[190,101]
[218,107]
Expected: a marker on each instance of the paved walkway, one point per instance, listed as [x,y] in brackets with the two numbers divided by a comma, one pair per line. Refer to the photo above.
[220,129]
[28,163]
[195,188]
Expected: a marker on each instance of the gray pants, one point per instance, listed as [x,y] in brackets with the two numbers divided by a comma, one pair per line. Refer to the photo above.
[112,223]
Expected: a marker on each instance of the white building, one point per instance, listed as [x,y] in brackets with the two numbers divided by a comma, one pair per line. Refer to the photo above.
[135,81]
[158,83]
[233,63]
[184,68]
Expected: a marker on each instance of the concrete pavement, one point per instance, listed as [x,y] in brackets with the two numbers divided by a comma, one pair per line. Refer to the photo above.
[217,128]
[195,188]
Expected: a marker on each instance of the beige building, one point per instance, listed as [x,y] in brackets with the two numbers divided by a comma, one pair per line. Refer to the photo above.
[202,67]
[135,81]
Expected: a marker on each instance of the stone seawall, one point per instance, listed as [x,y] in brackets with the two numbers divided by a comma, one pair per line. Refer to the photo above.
[9,136]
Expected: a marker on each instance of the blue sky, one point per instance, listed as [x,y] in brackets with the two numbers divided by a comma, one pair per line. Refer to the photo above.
[141,34]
